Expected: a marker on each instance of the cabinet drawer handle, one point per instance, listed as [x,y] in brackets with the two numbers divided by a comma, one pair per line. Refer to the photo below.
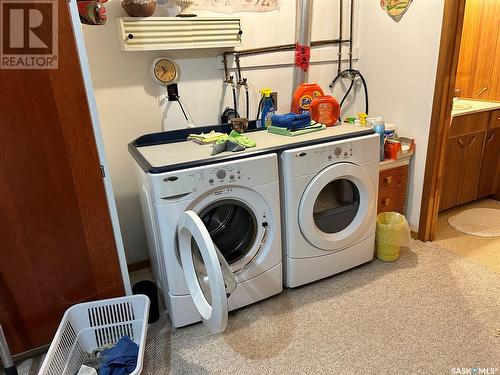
[491,138]
[386,201]
[461,143]
[388,180]
[472,142]
[482,91]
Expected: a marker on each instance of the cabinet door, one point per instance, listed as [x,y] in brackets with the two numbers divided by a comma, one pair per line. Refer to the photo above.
[471,167]
[57,244]
[490,169]
[452,176]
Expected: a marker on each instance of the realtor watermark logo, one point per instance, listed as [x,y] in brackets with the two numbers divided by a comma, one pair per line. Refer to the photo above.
[28,37]
[474,370]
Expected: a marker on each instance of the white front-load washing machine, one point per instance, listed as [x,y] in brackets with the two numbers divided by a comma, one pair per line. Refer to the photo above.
[329,203]
[214,237]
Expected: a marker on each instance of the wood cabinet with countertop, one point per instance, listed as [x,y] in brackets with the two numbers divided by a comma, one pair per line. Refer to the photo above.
[472,159]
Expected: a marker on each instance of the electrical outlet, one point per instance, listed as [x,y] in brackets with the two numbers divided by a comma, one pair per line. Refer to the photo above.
[274,95]
[172,92]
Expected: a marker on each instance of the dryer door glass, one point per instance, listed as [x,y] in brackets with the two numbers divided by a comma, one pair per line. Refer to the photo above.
[207,274]
[336,206]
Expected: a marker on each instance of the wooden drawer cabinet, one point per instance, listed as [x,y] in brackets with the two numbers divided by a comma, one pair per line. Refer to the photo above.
[392,187]
[495,119]
[489,181]
[472,161]
[467,124]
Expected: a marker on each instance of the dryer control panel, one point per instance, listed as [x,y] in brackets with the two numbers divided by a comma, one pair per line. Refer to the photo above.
[310,159]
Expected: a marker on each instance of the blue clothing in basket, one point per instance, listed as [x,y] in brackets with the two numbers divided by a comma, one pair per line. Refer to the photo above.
[121,359]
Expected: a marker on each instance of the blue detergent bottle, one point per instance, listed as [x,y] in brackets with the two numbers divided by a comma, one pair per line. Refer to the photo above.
[379,127]
[267,108]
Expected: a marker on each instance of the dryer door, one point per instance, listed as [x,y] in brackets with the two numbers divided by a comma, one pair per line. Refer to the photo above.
[337,207]
[207,273]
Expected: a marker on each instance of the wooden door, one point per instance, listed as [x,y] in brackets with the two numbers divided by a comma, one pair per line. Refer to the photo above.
[489,180]
[452,177]
[471,167]
[57,244]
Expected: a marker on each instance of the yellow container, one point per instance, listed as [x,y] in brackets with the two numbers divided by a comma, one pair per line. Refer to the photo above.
[392,233]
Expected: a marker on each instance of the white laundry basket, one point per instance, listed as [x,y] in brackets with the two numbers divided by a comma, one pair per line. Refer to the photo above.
[87,326]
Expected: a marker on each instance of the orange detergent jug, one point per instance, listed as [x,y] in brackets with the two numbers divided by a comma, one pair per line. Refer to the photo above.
[304,95]
[325,110]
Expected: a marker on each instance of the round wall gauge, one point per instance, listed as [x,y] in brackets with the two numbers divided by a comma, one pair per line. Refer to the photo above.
[165,71]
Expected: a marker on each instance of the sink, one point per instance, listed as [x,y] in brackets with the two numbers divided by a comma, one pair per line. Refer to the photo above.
[461,106]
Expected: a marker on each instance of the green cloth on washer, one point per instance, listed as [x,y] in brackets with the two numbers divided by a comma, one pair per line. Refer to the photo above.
[233,142]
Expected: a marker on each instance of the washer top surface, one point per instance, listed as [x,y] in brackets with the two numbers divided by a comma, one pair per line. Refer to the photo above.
[187,153]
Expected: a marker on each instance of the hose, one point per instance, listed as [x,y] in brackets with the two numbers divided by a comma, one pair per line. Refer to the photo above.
[366,91]
[234,98]
[347,93]
[247,102]
[353,74]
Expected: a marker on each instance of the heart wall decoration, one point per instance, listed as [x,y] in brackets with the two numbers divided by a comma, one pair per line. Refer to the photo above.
[396,9]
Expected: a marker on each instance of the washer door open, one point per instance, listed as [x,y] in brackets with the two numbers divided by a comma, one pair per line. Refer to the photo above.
[207,274]
[337,207]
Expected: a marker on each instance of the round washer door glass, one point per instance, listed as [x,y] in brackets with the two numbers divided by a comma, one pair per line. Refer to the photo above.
[336,206]
[232,226]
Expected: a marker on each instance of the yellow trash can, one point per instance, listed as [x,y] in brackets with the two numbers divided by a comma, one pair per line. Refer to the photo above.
[392,233]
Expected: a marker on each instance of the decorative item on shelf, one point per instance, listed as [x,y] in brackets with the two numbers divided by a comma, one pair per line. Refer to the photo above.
[139,8]
[396,9]
[92,12]
[185,8]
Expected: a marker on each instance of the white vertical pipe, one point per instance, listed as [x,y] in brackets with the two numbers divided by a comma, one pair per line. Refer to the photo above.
[303,19]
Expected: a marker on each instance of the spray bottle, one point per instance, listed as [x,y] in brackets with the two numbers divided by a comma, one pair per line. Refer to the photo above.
[267,108]
[379,127]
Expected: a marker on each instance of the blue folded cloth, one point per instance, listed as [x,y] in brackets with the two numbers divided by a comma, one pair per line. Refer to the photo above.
[120,359]
[292,121]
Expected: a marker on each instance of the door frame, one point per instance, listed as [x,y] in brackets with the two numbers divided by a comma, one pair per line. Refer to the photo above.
[92,104]
[444,91]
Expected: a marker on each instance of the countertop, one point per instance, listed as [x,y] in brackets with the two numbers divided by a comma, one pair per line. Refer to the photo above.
[162,157]
[476,106]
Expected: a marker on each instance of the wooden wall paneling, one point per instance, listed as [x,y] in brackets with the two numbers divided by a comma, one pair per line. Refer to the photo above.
[466,69]
[58,247]
[478,71]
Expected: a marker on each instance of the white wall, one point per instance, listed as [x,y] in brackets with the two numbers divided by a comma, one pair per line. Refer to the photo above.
[128,99]
[399,61]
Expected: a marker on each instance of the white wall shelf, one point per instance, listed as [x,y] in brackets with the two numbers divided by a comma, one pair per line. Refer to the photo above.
[174,33]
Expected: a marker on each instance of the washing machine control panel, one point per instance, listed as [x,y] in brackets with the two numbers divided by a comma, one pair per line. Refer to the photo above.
[188,183]
[227,174]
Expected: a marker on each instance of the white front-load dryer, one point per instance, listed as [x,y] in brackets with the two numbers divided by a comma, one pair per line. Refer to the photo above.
[214,237]
[329,203]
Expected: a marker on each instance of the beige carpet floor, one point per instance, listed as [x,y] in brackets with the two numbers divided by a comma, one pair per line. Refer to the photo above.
[485,251]
[427,313]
